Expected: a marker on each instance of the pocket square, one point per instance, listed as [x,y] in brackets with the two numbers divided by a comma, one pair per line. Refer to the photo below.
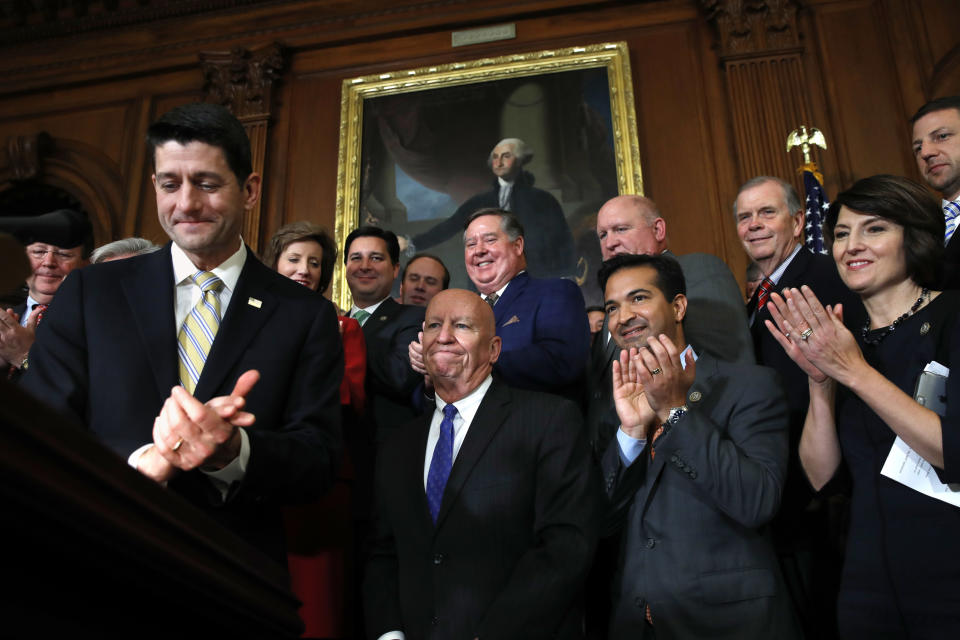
[511,321]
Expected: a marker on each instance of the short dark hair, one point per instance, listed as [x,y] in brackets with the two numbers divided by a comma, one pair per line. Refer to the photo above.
[509,223]
[369,231]
[940,104]
[424,254]
[299,232]
[903,202]
[595,307]
[210,124]
[670,278]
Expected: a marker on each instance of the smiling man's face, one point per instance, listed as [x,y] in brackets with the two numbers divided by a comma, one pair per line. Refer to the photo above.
[200,201]
[492,258]
[637,309]
[768,230]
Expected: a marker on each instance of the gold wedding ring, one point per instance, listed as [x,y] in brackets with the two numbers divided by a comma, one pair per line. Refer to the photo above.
[806,334]
[656,371]
[179,444]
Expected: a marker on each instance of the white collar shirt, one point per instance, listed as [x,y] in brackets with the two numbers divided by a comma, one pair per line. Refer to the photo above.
[466,410]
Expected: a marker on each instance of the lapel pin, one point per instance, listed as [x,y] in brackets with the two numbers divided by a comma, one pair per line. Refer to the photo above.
[253,302]
[511,321]
[382,318]
[695,396]
[925,328]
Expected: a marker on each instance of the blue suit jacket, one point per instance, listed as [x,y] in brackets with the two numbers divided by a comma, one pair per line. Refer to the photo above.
[546,338]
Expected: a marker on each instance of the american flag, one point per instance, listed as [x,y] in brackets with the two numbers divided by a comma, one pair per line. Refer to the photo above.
[816,208]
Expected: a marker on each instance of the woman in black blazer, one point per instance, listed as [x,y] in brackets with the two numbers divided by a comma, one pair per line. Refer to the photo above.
[901,578]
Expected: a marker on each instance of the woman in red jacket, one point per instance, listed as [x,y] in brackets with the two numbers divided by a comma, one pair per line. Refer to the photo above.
[318,534]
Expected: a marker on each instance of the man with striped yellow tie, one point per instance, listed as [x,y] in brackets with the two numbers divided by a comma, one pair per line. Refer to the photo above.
[203,368]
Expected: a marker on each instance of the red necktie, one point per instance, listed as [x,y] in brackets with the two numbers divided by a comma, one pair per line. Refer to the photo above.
[763,293]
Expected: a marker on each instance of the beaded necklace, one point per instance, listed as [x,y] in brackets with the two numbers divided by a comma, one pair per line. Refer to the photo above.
[875,341]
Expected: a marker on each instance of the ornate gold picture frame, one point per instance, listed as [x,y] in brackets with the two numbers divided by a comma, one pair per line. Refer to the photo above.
[415,145]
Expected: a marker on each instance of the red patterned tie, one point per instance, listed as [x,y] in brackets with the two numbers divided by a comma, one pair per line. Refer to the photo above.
[763,293]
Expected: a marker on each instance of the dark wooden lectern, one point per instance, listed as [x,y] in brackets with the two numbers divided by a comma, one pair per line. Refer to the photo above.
[90,548]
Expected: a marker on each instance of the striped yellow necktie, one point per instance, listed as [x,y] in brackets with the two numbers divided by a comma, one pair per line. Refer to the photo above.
[199,329]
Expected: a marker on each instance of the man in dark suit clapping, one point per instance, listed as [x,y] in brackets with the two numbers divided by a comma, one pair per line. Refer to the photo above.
[693,474]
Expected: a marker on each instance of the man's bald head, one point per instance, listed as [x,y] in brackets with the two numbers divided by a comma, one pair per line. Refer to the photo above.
[460,344]
[631,224]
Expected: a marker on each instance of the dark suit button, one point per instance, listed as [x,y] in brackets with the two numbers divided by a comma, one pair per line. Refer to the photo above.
[638,601]
[651,543]
[596,395]
[434,620]
[609,484]
[438,558]
[674,458]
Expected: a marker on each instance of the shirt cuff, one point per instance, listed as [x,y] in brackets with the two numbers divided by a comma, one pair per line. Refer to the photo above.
[134,458]
[630,448]
[233,472]
[393,635]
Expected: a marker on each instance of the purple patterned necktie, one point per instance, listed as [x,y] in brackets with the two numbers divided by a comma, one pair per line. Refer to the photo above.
[441,463]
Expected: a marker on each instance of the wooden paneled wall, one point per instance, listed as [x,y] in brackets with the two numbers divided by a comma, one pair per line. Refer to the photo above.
[717,86]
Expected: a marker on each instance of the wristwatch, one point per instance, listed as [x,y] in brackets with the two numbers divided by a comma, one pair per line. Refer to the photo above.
[674,417]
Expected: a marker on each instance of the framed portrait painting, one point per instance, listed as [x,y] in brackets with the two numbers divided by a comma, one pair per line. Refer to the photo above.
[417,155]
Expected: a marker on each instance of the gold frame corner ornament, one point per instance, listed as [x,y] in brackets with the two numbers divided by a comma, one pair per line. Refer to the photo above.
[614,56]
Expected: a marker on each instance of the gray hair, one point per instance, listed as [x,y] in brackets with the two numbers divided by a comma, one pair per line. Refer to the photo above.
[521,149]
[126,247]
[789,193]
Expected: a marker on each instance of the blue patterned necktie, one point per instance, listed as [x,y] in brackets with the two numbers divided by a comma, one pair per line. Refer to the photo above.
[441,463]
[951,213]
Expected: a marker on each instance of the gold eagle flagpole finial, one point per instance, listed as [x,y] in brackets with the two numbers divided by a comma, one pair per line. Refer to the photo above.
[804,139]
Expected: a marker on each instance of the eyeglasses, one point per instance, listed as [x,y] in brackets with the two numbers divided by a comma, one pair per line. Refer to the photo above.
[58,254]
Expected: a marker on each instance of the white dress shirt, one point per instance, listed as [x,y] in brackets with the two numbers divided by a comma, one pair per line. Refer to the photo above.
[186,296]
[371,310]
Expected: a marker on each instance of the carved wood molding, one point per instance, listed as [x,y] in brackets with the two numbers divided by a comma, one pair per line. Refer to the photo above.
[25,155]
[746,27]
[242,81]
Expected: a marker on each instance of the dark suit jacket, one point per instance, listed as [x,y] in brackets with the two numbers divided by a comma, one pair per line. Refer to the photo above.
[514,537]
[390,379]
[392,390]
[548,241]
[715,323]
[693,516]
[819,272]
[951,260]
[545,333]
[106,353]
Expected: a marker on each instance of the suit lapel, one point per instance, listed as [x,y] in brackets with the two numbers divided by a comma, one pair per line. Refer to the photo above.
[382,316]
[793,276]
[414,472]
[513,292]
[706,369]
[241,323]
[490,416]
[152,310]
